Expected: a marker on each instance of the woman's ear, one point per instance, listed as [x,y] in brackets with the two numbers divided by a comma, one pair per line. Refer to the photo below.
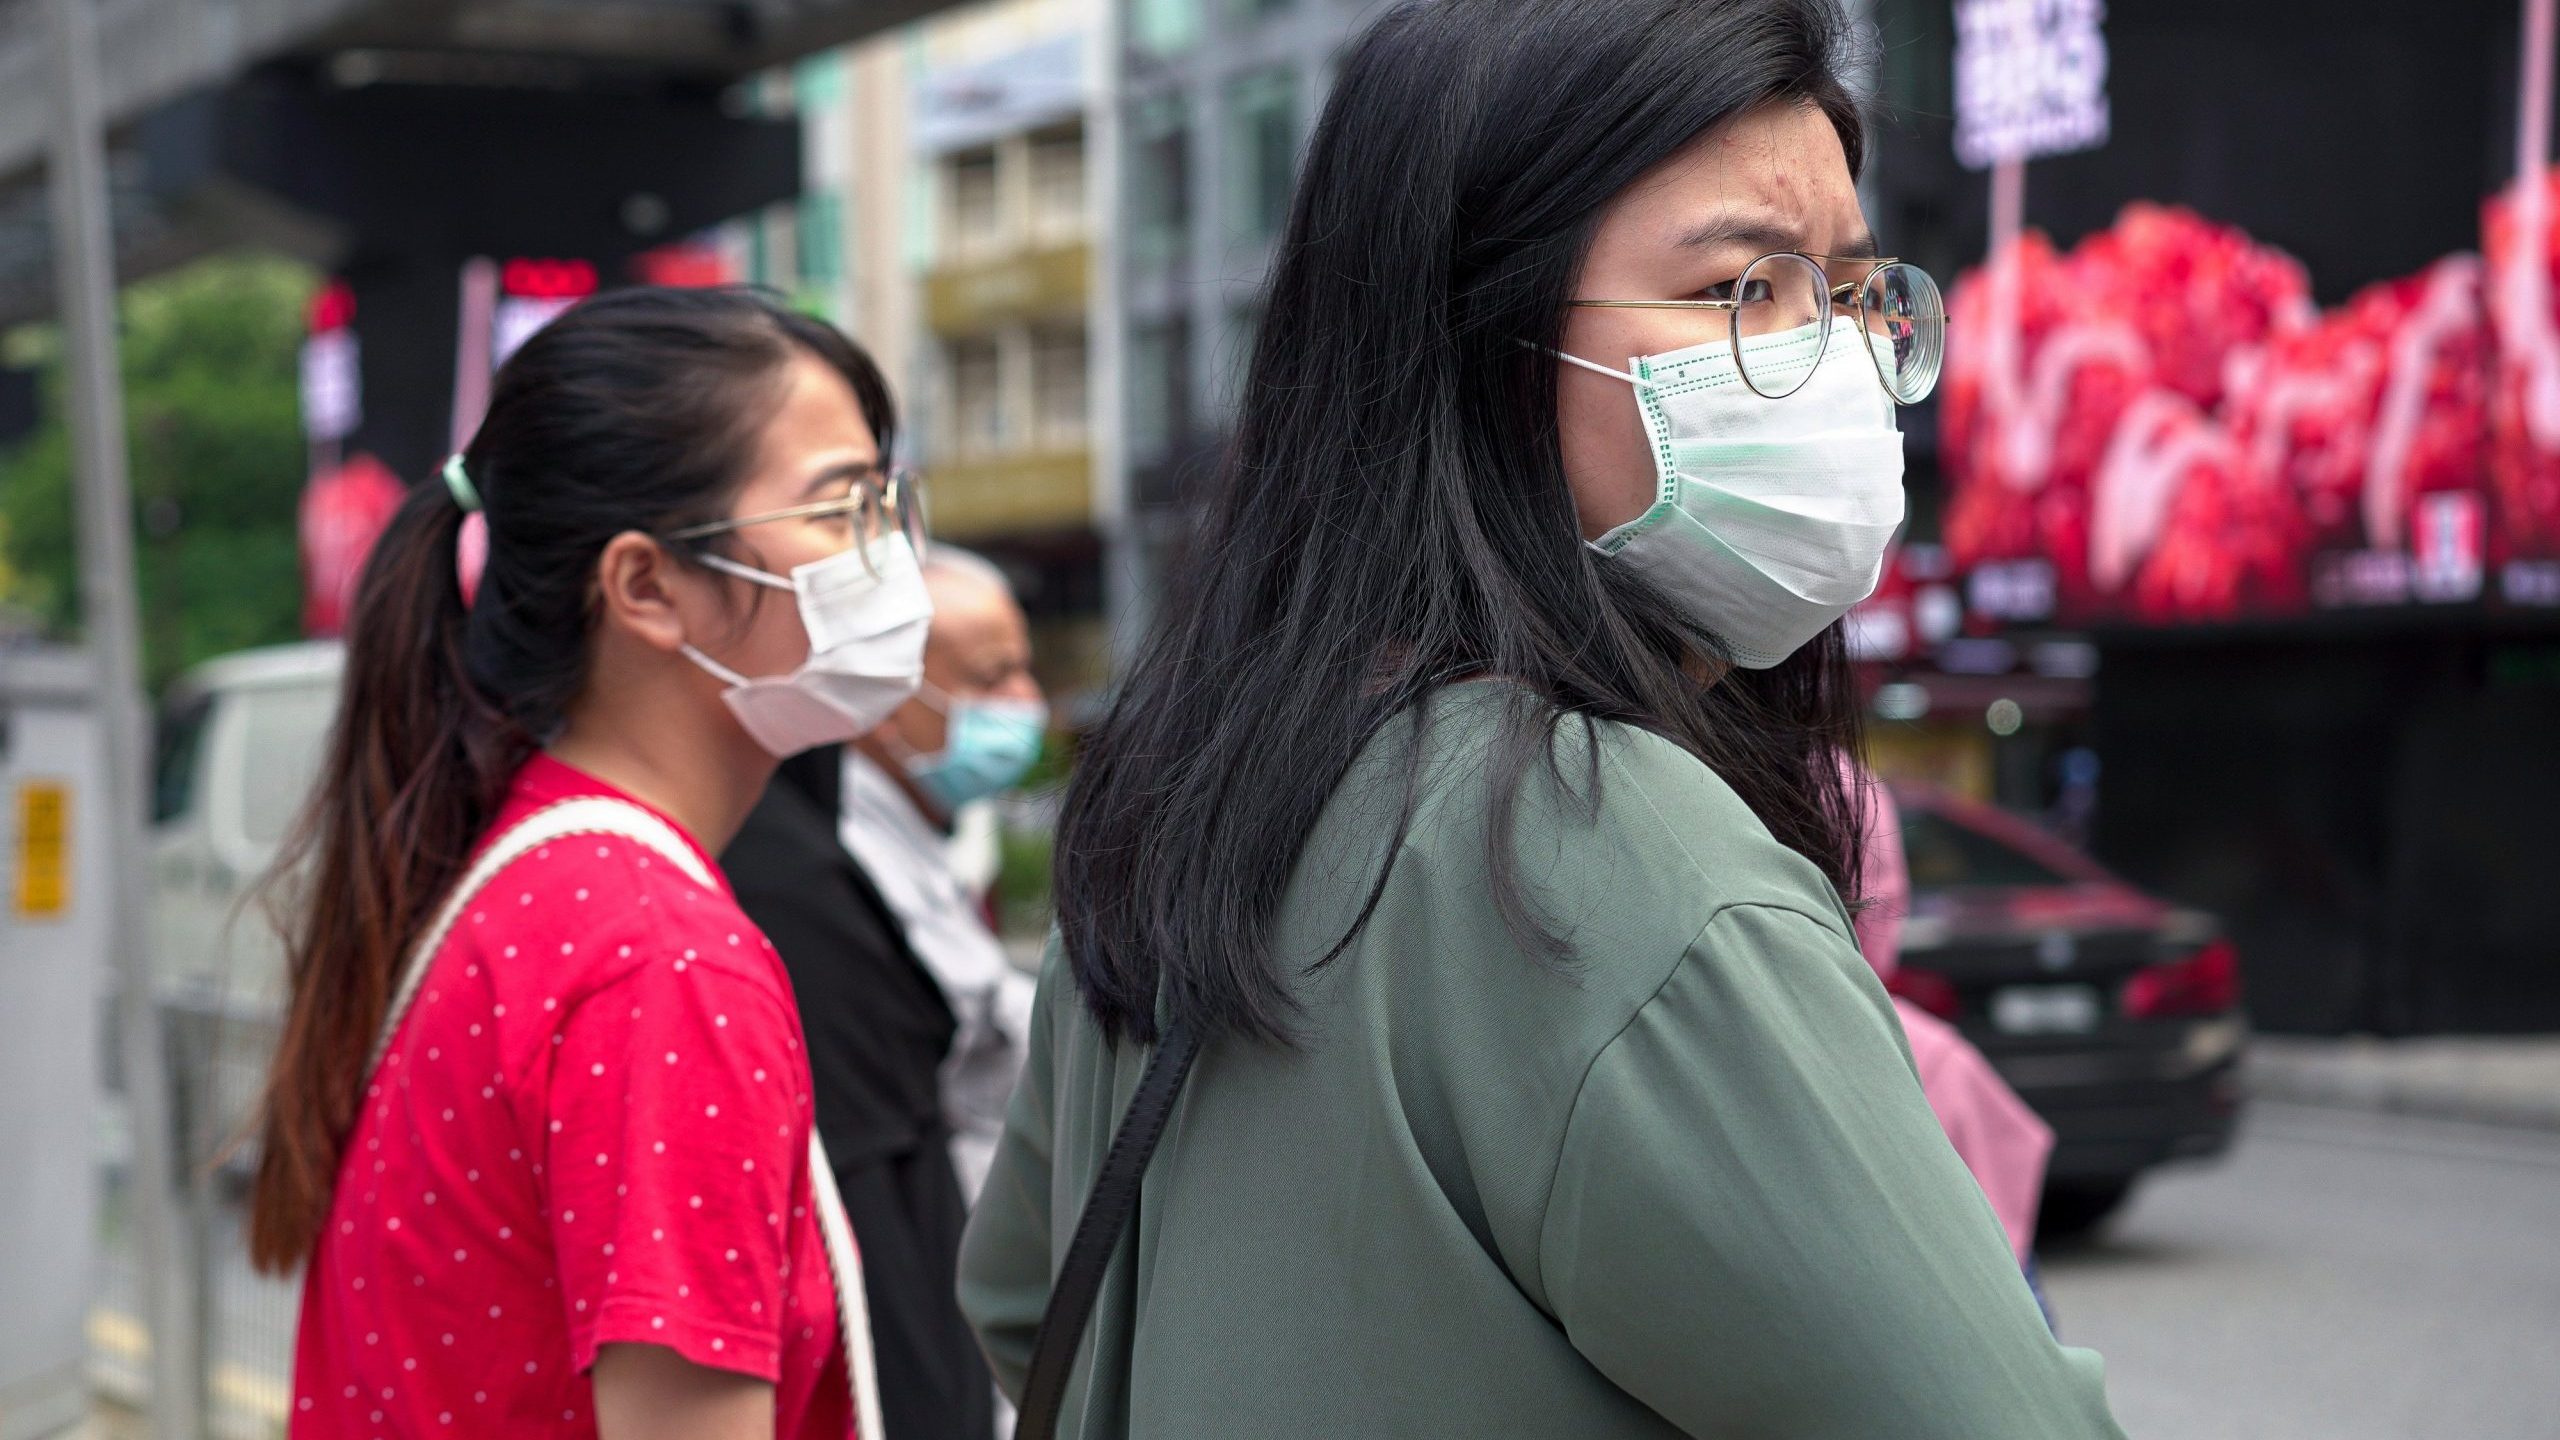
[641,591]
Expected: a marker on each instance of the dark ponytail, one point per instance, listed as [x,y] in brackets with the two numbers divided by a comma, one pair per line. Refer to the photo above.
[639,410]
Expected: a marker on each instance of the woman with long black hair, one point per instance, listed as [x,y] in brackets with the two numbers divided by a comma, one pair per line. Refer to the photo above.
[1476,807]
[539,1127]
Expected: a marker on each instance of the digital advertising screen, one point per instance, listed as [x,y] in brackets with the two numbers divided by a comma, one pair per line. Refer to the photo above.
[2173,421]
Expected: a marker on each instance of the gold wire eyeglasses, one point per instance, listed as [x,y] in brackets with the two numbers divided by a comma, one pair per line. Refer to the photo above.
[879,503]
[1896,303]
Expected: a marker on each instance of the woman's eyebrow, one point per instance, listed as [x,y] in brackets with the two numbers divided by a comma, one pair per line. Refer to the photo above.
[1861,246]
[837,474]
[1765,232]
[1768,235]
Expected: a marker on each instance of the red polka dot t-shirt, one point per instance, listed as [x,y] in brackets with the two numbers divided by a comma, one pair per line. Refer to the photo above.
[592,1127]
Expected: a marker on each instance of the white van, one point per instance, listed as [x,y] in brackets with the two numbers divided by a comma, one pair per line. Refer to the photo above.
[241,741]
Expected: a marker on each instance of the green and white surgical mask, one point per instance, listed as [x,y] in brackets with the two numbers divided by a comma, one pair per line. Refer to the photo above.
[1771,517]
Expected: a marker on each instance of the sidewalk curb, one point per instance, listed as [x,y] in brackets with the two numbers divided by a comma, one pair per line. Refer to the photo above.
[2507,1082]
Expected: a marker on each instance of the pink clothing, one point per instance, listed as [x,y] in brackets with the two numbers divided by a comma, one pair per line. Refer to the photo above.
[2000,1140]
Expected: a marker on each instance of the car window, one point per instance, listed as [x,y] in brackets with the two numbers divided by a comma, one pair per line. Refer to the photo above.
[173,769]
[1945,855]
[287,727]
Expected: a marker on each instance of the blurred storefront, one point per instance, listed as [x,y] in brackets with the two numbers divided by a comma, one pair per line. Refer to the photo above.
[2278,451]
[1996,718]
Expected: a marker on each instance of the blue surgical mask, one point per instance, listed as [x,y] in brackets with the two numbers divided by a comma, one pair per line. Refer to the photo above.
[991,745]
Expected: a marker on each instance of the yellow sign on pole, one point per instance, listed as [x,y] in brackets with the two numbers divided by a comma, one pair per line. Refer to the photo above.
[44,849]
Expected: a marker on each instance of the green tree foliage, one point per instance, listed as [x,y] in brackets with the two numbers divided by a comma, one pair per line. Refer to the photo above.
[213,418]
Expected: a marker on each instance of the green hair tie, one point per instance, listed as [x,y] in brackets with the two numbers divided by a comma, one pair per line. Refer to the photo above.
[459,482]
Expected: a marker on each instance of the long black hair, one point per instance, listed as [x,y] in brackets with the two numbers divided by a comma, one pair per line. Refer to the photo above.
[638,410]
[1393,514]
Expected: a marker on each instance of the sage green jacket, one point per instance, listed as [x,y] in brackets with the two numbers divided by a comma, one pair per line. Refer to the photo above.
[1682,1183]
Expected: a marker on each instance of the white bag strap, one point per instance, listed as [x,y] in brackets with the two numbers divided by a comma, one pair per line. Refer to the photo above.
[600,815]
[589,815]
[853,1304]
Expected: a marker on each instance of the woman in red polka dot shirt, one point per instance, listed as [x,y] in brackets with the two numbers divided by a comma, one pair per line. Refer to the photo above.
[561,1183]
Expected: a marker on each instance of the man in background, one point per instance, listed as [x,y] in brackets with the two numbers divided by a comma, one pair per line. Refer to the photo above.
[914,1018]
[971,732]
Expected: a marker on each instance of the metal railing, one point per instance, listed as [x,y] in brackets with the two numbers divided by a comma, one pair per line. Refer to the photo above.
[242,1363]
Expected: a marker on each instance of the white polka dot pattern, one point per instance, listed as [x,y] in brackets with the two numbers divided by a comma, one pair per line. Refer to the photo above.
[512,1270]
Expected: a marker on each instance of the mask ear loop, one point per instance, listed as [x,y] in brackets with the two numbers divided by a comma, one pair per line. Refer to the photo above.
[717,671]
[1594,366]
[909,758]
[727,566]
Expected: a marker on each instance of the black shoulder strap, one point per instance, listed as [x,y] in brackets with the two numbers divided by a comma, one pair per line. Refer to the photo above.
[1106,1215]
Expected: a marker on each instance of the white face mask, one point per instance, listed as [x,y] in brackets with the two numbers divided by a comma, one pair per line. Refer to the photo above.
[866,648]
[1773,515]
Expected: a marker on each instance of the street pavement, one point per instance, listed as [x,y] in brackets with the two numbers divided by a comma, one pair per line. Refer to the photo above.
[2342,1275]
[2501,1079]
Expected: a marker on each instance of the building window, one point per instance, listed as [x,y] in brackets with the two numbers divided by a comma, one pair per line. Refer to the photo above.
[821,238]
[1262,151]
[1164,27]
[817,83]
[1159,381]
[1159,181]
[1244,330]
[1057,185]
[974,214]
[977,398]
[1058,386]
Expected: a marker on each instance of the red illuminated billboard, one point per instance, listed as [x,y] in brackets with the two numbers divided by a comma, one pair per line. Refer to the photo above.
[2187,438]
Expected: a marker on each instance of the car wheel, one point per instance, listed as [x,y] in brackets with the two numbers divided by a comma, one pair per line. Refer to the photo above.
[2073,1209]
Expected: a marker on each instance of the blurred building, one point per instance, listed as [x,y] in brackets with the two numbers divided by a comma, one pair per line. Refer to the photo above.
[1066,382]
[946,221]
[1216,99]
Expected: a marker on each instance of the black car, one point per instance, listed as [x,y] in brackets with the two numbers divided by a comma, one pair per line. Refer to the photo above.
[2115,1015]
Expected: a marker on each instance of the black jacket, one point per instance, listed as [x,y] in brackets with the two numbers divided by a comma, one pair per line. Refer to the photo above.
[878,1030]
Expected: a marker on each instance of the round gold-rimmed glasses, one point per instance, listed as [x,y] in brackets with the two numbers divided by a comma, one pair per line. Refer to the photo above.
[1896,304]
[879,503]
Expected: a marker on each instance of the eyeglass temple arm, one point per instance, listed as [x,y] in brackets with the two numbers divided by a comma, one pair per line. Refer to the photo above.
[1844,293]
[892,490]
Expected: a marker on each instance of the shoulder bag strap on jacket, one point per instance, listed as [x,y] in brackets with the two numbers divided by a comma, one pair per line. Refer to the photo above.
[1098,1230]
[603,815]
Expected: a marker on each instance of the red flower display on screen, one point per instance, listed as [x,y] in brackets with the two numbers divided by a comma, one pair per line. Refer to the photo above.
[2354,421]
[2228,538]
[2197,292]
[2023,462]
[2186,432]
[2524,399]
